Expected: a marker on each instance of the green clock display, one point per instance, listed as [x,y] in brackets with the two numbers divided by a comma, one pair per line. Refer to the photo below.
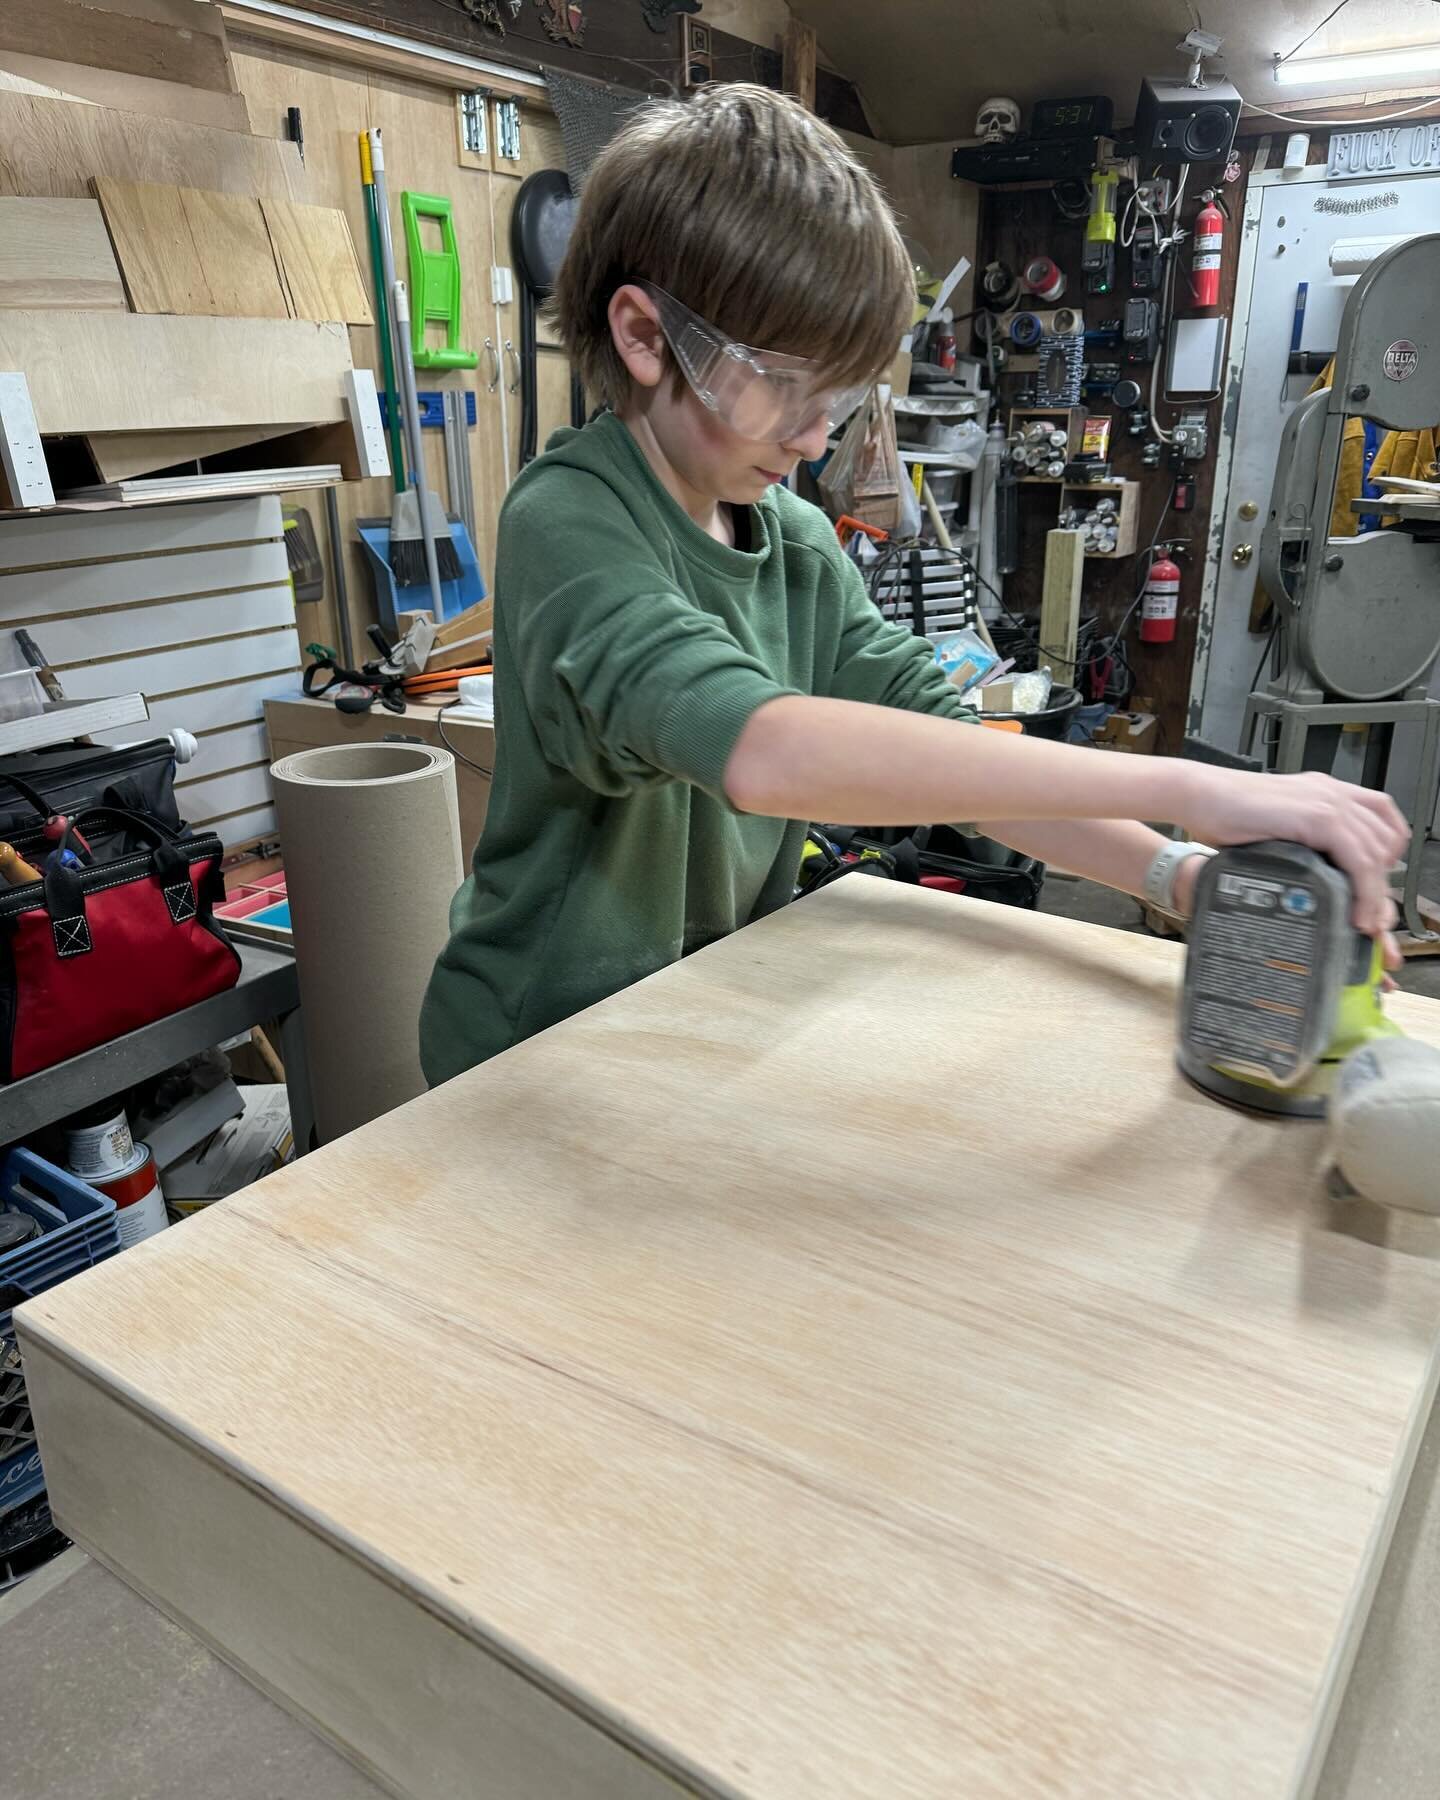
[1084,115]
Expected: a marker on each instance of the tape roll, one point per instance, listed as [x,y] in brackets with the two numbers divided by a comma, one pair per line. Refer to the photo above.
[1385,1123]
[1026,331]
[371,839]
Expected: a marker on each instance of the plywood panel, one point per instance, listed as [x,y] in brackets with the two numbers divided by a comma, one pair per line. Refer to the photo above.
[937,211]
[132,93]
[185,43]
[1006,1476]
[120,454]
[236,255]
[130,372]
[57,253]
[317,263]
[55,147]
[192,250]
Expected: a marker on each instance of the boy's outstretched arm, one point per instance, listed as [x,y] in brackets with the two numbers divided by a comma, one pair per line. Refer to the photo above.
[808,758]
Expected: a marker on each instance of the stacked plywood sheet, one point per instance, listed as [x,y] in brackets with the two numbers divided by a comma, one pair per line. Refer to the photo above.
[852,1363]
[164,289]
[166,57]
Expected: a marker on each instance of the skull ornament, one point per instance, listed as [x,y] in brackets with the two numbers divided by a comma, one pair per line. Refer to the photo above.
[998,120]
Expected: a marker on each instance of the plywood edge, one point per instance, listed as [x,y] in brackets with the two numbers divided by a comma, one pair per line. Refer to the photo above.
[320,1623]
[1346,1646]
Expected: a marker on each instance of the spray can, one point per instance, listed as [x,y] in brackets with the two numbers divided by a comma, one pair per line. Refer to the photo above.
[1161,601]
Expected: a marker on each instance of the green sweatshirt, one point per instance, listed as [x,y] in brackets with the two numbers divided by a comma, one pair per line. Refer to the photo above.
[630,650]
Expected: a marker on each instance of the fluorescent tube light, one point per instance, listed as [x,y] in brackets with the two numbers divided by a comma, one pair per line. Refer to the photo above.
[1358,65]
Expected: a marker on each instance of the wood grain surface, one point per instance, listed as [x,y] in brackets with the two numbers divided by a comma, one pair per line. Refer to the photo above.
[851,1363]
[316,257]
[131,93]
[179,41]
[55,147]
[192,250]
[111,371]
[57,253]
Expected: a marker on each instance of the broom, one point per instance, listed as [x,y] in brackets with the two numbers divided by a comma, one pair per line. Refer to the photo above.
[382,320]
[421,547]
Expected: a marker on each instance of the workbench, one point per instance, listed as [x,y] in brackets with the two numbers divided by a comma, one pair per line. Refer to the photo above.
[267,989]
[851,1362]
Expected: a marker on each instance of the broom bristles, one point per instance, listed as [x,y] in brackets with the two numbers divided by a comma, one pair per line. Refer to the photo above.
[407,543]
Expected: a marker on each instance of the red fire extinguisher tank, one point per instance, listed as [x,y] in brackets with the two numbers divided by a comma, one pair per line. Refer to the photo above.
[1161,601]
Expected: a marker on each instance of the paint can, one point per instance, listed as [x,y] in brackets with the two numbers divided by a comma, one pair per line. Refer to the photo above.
[98,1142]
[139,1204]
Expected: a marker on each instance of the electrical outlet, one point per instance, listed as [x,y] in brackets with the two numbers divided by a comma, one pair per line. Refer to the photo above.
[21,454]
[363,404]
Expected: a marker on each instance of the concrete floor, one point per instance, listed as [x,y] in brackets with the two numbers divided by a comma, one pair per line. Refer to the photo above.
[1068,898]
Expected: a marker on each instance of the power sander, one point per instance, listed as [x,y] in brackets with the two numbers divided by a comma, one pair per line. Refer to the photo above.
[1279,986]
[1281,1013]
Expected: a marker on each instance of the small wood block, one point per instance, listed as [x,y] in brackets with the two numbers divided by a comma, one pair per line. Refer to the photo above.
[1060,597]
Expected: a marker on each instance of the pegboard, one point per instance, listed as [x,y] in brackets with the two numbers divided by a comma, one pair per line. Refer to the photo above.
[1016,226]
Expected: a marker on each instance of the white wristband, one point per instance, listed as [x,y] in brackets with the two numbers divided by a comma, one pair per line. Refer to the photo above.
[1160,876]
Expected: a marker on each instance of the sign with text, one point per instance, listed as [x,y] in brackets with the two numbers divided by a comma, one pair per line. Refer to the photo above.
[1385,150]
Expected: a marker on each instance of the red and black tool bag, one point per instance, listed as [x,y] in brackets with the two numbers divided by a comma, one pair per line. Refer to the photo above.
[87,954]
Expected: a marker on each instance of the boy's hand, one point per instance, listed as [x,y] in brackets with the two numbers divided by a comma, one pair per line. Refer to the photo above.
[1361,831]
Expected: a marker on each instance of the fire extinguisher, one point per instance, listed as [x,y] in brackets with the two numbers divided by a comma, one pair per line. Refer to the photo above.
[1161,600]
[1209,240]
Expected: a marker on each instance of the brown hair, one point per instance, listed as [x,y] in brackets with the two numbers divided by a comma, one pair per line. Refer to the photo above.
[752,212]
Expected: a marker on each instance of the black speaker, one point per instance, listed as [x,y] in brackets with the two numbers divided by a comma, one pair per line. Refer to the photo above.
[1179,124]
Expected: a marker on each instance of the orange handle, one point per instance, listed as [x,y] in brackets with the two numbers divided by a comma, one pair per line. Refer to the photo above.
[1002,725]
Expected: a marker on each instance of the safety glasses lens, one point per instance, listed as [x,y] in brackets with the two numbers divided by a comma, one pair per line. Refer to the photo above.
[765,402]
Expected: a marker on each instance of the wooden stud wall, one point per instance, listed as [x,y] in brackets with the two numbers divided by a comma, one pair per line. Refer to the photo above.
[337,101]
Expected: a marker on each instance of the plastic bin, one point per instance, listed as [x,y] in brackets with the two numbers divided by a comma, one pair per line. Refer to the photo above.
[79,1230]
[1052,721]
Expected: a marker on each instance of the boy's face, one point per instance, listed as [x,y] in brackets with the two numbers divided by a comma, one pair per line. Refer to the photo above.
[713,460]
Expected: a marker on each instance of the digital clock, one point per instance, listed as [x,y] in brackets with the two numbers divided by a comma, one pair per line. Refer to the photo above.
[1086,115]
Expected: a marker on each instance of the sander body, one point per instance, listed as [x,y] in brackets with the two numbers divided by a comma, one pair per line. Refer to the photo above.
[1279,986]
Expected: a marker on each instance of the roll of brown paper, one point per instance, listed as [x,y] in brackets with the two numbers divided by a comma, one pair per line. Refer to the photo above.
[371,840]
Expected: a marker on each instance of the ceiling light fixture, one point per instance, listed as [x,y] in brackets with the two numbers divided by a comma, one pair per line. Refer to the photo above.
[1359,65]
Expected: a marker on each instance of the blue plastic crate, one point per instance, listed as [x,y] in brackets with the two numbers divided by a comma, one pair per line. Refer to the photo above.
[79,1230]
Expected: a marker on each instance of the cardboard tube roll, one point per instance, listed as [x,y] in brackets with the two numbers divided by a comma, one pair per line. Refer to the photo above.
[371,839]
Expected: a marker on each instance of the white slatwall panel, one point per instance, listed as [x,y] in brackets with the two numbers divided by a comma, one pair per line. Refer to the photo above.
[191,605]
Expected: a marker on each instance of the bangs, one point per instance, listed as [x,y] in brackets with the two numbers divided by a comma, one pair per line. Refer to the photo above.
[754,214]
[842,295]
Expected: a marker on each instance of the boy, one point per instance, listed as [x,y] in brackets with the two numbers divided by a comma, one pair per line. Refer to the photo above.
[686,666]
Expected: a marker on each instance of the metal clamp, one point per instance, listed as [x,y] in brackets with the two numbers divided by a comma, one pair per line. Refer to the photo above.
[511,351]
[494,381]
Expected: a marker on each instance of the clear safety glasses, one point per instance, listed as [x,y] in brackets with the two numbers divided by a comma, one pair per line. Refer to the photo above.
[759,394]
